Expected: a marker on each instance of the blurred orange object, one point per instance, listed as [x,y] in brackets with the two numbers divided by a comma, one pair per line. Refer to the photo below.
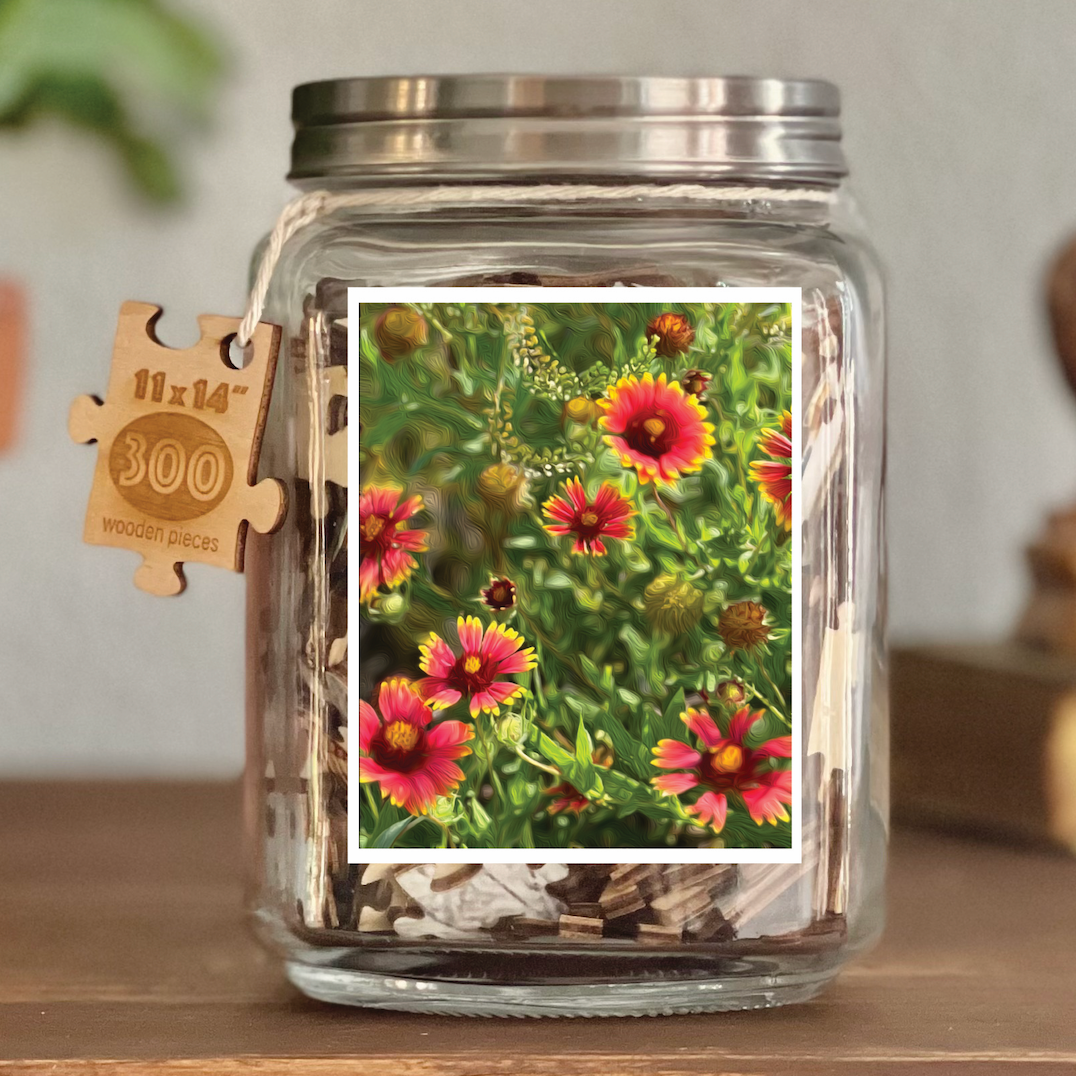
[12,356]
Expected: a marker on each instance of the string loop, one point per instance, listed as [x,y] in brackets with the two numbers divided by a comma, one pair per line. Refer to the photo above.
[307,208]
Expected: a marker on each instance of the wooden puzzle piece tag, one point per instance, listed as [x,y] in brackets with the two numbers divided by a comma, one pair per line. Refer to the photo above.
[178,437]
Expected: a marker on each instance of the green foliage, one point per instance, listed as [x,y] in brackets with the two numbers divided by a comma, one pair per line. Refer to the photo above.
[614,672]
[115,68]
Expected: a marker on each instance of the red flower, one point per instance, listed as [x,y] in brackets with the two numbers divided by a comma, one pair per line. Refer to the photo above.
[656,428]
[568,798]
[410,759]
[477,670]
[674,332]
[606,517]
[725,766]
[774,476]
[384,549]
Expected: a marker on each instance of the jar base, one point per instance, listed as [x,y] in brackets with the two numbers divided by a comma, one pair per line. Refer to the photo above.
[341,986]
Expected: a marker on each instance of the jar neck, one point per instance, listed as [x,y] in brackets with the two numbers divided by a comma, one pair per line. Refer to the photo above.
[788,202]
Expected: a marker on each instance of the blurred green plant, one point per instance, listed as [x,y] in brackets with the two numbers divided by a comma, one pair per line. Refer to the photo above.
[118,69]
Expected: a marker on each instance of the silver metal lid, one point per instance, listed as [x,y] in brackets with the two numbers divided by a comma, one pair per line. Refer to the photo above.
[485,127]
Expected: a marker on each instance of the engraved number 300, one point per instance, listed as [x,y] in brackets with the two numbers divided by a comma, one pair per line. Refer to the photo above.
[168,467]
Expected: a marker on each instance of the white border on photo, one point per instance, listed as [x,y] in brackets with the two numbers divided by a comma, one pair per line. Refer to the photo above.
[537,295]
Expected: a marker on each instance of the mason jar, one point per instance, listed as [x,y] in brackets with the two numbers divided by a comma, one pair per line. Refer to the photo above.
[642,185]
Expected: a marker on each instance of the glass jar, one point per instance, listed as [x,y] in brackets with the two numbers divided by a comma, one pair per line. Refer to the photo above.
[639,182]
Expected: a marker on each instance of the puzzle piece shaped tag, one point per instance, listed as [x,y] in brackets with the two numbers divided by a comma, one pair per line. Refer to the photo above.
[178,438]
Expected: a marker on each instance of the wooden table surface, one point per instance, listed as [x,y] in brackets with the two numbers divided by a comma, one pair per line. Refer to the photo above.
[123,948]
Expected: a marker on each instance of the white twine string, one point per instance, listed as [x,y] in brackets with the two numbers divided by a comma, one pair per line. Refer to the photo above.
[306,208]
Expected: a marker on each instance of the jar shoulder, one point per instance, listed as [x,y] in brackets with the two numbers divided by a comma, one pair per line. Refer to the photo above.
[698,250]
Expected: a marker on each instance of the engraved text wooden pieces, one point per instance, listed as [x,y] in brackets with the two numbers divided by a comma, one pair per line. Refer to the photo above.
[178,440]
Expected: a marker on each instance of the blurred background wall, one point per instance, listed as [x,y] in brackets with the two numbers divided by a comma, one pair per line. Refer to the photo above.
[960,121]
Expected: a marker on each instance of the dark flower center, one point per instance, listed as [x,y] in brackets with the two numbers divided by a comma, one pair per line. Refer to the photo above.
[652,435]
[588,523]
[399,746]
[375,534]
[723,768]
[469,675]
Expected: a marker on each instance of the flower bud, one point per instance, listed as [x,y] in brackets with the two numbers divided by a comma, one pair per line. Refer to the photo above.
[503,486]
[392,607]
[443,809]
[398,331]
[674,332]
[509,730]
[695,382]
[603,756]
[500,594]
[673,605]
[581,410]
[742,626]
[732,692]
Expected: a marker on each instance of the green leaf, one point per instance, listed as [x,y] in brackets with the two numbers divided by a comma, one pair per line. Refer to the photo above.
[630,753]
[150,167]
[668,725]
[633,796]
[387,838]
[578,772]
[480,819]
[592,672]
[522,793]
[108,66]
[584,747]
[135,44]
[514,831]
[671,723]
[640,648]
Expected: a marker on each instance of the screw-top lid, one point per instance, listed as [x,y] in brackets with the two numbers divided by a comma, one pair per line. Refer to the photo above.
[486,127]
